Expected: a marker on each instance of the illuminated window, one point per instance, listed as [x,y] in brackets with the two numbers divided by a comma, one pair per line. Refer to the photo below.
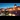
[18,8]
[13,9]
[10,9]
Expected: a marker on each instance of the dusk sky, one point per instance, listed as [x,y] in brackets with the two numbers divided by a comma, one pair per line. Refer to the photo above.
[6,5]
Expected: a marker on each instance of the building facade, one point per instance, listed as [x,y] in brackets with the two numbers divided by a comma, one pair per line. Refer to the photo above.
[15,10]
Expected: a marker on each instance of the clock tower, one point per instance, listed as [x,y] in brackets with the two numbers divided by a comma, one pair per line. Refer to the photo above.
[14,5]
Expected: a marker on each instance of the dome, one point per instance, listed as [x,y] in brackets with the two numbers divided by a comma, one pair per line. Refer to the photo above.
[14,4]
